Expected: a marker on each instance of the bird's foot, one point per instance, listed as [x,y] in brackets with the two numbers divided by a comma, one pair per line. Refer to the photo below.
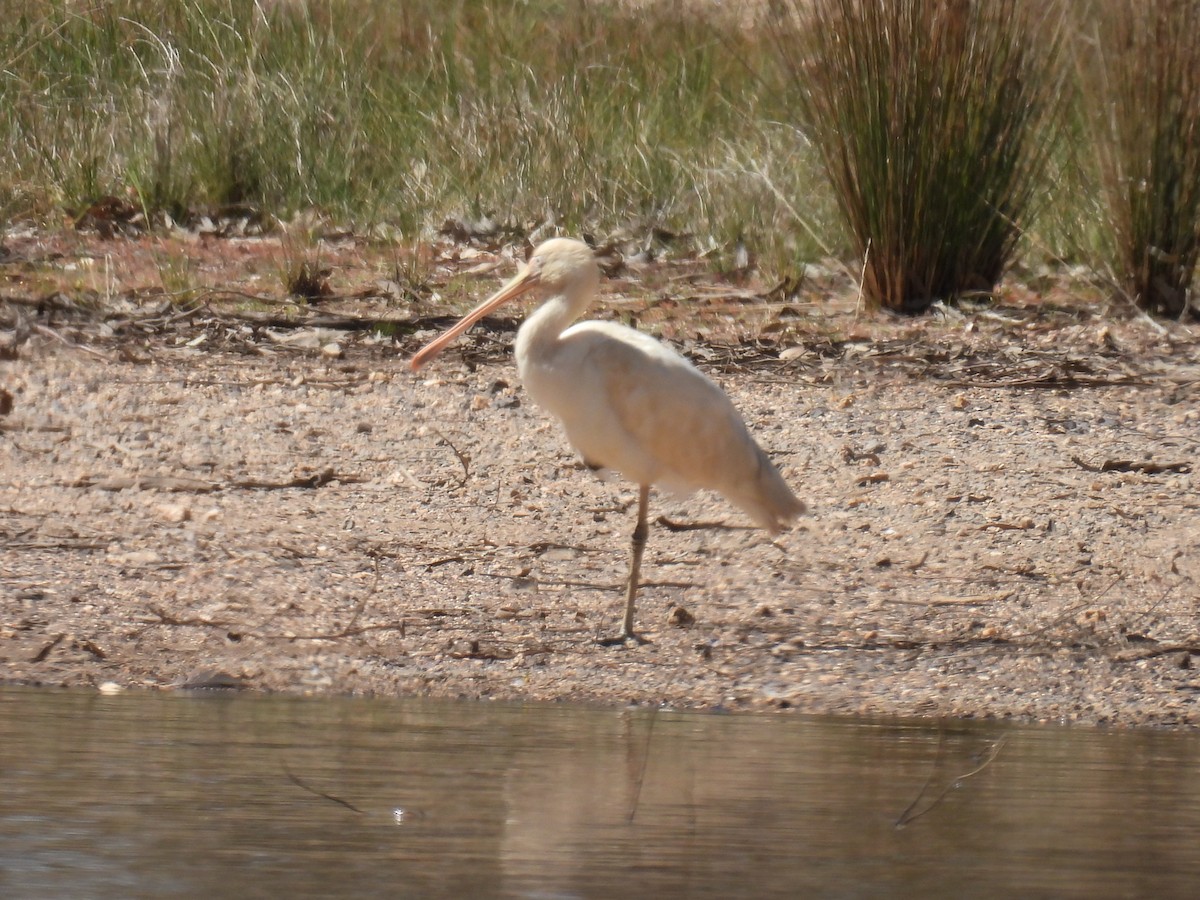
[623,640]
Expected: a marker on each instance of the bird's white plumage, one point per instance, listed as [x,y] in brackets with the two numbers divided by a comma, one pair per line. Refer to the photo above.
[627,401]
[632,404]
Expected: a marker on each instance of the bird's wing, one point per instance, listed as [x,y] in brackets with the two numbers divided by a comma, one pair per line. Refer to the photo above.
[669,411]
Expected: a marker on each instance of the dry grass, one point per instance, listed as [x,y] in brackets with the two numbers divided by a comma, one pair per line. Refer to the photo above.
[590,116]
[674,126]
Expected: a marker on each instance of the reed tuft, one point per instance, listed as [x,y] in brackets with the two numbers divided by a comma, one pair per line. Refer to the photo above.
[934,122]
[1139,66]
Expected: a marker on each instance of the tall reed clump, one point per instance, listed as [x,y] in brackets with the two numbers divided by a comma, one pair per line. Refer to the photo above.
[1140,83]
[933,119]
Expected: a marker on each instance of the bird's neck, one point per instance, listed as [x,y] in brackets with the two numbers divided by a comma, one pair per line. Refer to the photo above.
[538,336]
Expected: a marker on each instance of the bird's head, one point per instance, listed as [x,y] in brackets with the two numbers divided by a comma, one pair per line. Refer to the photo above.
[559,266]
[562,266]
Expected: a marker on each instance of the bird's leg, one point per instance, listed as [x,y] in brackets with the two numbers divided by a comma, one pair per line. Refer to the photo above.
[640,532]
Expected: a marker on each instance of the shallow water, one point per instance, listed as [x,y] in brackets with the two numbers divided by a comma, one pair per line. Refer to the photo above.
[154,795]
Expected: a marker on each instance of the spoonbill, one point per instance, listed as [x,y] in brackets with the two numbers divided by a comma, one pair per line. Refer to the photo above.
[628,402]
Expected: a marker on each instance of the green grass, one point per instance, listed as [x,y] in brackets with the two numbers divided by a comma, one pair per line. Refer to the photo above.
[580,116]
[622,120]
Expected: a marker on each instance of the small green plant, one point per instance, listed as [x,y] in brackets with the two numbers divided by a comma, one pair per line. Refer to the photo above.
[177,275]
[300,269]
[411,276]
[1140,83]
[302,274]
[307,280]
[932,121]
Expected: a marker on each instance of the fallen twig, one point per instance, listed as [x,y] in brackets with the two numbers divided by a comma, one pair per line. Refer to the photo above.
[462,460]
[316,480]
[1023,525]
[165,618]
[59,545]
[183,485]
[1151,652]
[51,333]
[165,483]
[672,525]
[41,655]
[944,600]
[1145,467]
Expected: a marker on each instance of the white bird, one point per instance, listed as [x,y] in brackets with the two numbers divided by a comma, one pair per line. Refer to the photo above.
[629,402]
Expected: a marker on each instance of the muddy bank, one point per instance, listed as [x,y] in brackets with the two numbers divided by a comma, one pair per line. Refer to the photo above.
[323,521]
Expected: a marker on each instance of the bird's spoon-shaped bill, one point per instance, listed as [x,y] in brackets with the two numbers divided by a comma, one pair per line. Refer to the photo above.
[524,281]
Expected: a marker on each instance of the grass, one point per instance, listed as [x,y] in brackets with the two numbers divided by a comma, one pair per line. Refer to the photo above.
[932,121]
[672,123]
[579,116]
[1140,84]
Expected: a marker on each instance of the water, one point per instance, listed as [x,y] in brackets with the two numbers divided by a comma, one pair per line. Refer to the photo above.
[151,795]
